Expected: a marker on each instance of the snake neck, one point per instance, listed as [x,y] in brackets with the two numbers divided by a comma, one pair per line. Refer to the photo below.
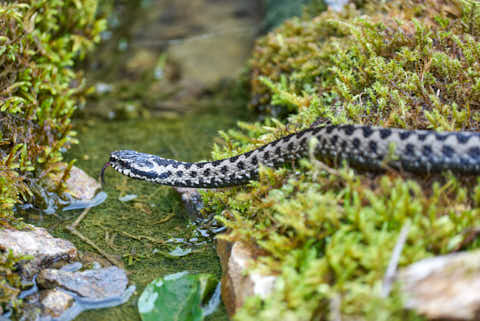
[368,147]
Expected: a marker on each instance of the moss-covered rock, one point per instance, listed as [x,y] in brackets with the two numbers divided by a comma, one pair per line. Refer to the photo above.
[39,89]
[329,233]
[40,40]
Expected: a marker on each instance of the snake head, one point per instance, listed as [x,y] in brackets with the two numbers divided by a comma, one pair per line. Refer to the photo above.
[121,161]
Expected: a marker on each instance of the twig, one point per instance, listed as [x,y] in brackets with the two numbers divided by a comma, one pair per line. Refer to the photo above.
[140,237]
[469,236]
[392,265]
[74,231]
[335,305]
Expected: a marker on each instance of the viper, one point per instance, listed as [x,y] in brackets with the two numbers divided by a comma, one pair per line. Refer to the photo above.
[371,148]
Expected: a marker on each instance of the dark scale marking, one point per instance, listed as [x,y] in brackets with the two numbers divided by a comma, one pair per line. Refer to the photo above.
[367,131]
[201,164]
[193,174]
[266,155]
[162,162]
[334,140]
[274,143]
[474,152]
[329,129]
[233,159]
[344,145]
[303,141]
[422,137]
[372,145]
[462,138]
[427,151]
[187,165]
[356,143]
[232,177]
[254,160]
[278,151]
[300,134]
[404,135]
[441,137]
[247,154]
[206,172]
[241,165]
[290,146]
[385,133]
[447,151]
[224,170]
[348,129]
[410,150]
[188,182]
[179,173]
[164,175]
[315,130]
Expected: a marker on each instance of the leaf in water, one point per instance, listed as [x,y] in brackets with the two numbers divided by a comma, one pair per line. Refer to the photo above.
[127,198]
[178,251]
[176,297]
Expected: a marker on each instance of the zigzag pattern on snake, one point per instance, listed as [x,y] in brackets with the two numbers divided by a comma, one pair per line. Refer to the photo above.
[372,148]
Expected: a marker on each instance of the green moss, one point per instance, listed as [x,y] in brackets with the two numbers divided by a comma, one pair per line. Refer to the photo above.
[329,233]
[39,89]
[40,41]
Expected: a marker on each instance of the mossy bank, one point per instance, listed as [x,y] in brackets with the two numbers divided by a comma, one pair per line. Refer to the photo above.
[40,41]
[329,232]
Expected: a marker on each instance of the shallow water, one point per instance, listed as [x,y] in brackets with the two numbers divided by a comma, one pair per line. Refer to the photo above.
[137,231]
[204,42]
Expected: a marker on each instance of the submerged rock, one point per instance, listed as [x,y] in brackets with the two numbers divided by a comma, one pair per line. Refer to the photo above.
[63,295]
[93,284]
[55,302]
[192,200]
[37,242]
[237,285]
[444,287]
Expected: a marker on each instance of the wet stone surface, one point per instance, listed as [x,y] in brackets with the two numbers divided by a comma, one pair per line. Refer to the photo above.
[94,284]
[237,284]
[38,243]
[444,287]
[55,302]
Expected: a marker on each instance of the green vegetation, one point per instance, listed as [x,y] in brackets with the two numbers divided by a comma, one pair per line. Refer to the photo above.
[39,42]
[329,233]
[39,89]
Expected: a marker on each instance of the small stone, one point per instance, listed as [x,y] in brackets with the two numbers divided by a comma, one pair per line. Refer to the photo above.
[237,285]
[55,302]
[192,200]
[37,242]
[80,185]
[444,287]
[93,284]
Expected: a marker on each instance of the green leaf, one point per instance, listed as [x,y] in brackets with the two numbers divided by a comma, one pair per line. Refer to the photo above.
[176,297]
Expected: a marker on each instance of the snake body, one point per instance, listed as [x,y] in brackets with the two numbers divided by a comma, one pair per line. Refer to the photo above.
[372,148]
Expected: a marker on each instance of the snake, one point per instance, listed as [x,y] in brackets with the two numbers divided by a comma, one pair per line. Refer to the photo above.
[367,147]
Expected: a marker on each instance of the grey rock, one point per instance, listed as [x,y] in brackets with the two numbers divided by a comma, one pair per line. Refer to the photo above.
[37,242]
[93,284]
[55,302]
[238,283]
[444,287]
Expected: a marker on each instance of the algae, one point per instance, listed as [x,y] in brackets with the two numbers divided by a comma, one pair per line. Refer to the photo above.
[138,231]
